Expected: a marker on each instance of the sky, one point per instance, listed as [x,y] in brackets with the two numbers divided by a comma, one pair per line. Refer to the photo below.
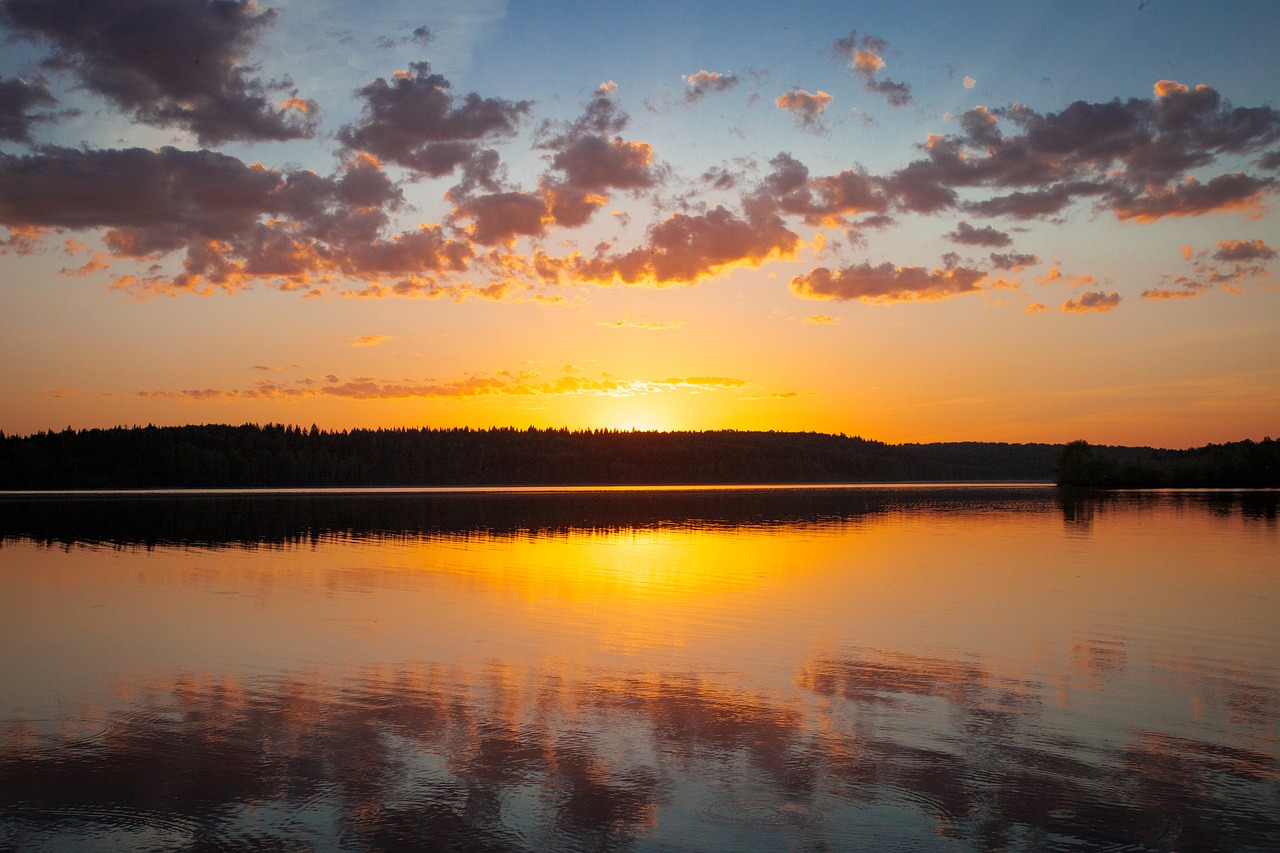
[1025,221]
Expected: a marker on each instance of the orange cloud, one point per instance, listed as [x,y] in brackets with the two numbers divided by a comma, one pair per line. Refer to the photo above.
[887,283]
[822,320]
[686,248]
[502,383]
[1094,300]
[866,62]
[806,107]
[368,340]
[1224,193]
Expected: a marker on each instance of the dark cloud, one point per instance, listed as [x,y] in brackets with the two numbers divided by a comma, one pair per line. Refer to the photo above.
[865,57]
[591,159]
[501,218]
[234,222]
[18,99]
[1093,300]
[887,283]
[698,86]
[1133,156]
[1243,251]
[1012,262]
[984,236]
[685,248]
[1236,191]
[1038,203]
[177,63]
[806,107]
[414,121]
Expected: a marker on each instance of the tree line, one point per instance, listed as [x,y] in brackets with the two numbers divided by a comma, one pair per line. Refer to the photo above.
[1240,464]
[283,456]
[214,456]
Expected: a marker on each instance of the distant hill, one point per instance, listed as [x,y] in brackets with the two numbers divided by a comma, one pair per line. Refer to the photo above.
[221,456]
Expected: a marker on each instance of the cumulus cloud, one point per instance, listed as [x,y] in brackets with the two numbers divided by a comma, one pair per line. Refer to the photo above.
[698,86]
[865,57]
[414,121]
[1094,300]
[982,236]
[806,107]
[1229,265]
[887,283]
[828,200]
[18,100]
[1234,251]
[591,159]
[1012,262]
[1133,157]
[234,222]
[176,63]
[685,248]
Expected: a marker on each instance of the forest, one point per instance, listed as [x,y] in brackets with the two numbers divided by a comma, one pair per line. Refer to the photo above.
[1237,465]
[215,456]
[280,456]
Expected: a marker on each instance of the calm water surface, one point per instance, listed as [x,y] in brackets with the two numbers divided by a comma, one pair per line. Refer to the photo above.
[907,668]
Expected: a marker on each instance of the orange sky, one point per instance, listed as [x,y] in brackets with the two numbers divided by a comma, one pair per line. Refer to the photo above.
[875,223]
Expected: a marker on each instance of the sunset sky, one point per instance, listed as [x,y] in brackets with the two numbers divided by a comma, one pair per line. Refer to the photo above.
[1029,221]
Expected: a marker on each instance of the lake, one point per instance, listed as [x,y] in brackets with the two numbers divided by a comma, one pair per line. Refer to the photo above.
[952,668]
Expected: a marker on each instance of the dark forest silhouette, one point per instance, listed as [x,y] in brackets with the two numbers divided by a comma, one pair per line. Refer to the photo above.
[1240,464]
[279,456]
[218,456]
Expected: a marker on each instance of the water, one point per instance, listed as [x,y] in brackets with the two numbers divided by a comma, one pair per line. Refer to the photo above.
[910,668]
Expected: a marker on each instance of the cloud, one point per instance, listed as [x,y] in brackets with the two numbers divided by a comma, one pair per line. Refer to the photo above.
[822,320]
[685,248]
[1036,308]
[1056,276]
[1013,262]
[984,236]
[969,82]
[829,200]
[17,100]
[646,326]
[499,384]
[1094,300]
[865,57]
[1236,191]
[1234,251]
[234,222]
[368,340]
[502,218]
[1133,157]
[806,107]
[887,283]
[176,63]
[698,86]
[591,159]
[1230,265]
[415,122]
